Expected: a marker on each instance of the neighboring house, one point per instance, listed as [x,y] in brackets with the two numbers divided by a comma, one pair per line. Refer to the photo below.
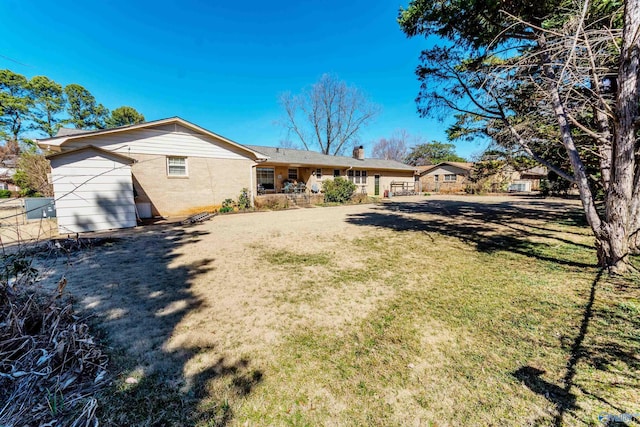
[371,176]
[448,177]
[528,180]
[7,171]
[103,178]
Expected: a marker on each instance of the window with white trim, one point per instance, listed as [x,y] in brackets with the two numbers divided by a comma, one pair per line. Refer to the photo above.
[266,178]
[364,177]
[450,177]
[357,177]
[293,174]
[350,175]
[176,166]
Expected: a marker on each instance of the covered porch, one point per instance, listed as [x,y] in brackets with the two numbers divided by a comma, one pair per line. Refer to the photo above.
[290,179]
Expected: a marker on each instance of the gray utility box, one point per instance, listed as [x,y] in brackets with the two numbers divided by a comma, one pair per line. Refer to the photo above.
[40,207]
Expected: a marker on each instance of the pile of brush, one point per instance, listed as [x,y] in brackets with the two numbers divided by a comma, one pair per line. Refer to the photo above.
[50,366]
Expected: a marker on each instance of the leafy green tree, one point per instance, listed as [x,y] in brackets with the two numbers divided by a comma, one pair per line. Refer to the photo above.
[84,112]
[432,153]
[541,76]
[15,104]
[123,116]
[48,103]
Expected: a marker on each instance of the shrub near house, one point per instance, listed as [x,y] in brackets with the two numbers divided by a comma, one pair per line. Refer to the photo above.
[338,190]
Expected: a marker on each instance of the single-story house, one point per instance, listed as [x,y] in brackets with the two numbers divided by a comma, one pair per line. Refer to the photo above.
[7,171]
[528,180]
[371,176]
[172,167]
[444,177]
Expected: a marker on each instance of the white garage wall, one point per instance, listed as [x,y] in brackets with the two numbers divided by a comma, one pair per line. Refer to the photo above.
[93,192]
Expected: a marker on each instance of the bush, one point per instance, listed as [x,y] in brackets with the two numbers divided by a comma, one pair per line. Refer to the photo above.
[338,190]
[5,194]
[554,185]
[360,198]
[244,202]
[272,202]
[227,206]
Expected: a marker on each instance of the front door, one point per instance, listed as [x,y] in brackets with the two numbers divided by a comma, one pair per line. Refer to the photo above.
[376,185]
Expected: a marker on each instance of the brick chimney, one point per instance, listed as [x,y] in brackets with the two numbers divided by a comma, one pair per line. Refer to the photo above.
[358,152]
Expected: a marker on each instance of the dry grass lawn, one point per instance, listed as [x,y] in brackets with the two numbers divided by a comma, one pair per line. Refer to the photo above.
[420,311]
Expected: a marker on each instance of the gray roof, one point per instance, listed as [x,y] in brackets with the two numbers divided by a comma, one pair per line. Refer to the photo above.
[70,131]
[313,158]
[536,170]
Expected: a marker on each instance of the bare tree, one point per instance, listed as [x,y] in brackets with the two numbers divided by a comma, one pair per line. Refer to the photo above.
[32,173]
[287,143]
[328,115]
[393,148]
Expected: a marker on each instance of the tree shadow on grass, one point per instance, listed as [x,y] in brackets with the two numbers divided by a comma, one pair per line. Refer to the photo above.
[137,291]
[489,226]
[497,227]
[597,355]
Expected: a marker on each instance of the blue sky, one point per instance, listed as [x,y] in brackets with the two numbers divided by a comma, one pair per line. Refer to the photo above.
[221,65]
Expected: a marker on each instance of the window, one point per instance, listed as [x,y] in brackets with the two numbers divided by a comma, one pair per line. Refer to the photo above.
[4,186]
[364,177]
[357,177]
[436,178]
[336,172]
[450,177]
[318,173]
[176,166]
[293,174]
[350,175]
[266,178]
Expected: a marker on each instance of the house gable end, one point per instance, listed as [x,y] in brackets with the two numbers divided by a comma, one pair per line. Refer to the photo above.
[86,155]
[173,136]
[161,142]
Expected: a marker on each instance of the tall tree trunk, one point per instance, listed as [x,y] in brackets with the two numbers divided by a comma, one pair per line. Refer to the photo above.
[619,202]
[611,235]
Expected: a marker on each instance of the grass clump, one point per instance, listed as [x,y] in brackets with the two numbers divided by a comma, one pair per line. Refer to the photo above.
[293,259]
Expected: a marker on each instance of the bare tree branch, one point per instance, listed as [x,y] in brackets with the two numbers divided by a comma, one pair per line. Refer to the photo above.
[328,115]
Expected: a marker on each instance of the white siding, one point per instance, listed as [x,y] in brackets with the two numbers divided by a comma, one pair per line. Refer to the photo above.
[92,192]
[161,142]
[520,185]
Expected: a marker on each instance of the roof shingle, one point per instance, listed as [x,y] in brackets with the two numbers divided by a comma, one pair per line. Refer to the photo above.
[313,158]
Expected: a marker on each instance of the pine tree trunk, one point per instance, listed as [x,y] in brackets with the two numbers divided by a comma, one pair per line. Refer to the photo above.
[620,203]
[613,231]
